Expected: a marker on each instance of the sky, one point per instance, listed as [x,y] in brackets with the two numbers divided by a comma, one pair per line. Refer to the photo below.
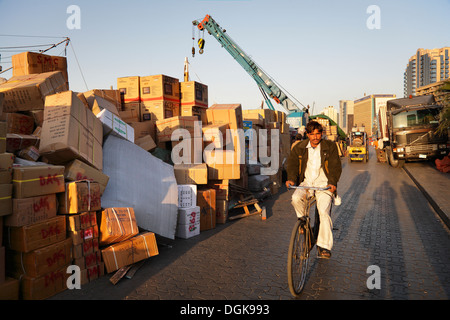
[319,52]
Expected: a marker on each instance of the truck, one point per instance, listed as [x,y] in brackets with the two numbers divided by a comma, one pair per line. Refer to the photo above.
[407,130]
[357,149]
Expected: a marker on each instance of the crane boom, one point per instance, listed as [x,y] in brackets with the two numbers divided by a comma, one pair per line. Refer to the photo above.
[266,85]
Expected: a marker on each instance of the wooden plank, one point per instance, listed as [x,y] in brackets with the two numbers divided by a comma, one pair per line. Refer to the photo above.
[119,274]
[134,268]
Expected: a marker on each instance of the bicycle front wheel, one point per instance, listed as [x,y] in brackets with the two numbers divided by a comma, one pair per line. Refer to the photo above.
[298,254]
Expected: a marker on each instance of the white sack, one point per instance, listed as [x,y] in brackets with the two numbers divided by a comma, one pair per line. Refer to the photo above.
[139,180]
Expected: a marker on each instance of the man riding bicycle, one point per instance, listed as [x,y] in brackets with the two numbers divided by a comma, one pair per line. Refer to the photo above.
[315,162]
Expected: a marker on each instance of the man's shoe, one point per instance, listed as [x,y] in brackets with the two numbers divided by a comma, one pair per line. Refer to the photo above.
[323,253]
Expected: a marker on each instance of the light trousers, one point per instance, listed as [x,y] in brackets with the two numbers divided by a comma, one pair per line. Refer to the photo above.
[323,201]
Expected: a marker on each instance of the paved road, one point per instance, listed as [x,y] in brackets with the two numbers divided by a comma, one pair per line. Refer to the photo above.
[384,221]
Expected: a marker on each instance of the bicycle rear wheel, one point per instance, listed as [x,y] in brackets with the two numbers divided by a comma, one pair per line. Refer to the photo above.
[298,254]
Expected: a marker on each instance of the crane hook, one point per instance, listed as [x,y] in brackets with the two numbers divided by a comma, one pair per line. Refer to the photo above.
[201,45]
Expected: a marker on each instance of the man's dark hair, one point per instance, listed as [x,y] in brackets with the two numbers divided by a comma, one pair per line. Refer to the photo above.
[313,125]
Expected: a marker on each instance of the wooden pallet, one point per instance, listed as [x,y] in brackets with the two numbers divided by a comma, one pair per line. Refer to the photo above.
[245,203]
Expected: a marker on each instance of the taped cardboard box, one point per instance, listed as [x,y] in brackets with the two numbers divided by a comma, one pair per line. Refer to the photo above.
[70,131]
[191,173]
[16,142]
[28,92]
[29,153]
[45,286]
[79,196]
[19,123]
[78,170]
[38,235]
[37,180]
[165,127]
[206,200]
[6,191]
[129,87]
[116,224]
[194,94]
[40,261]
[31,210]
[112,124]
[132,183]
[130,251]
[31,62]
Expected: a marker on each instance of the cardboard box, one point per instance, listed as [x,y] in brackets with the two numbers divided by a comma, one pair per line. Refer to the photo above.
[222,188]
[187,151]
[146,142]
[28,92]
[45,286]
[191,173]
[81,221]
[144,128]
[130,112]
[129,87]
[116,224]
[19,123]
[37,180]
[206,200]
[194,111]
[38,235]
[30,153]
[225,113]
[187,195]
[188,222]
[216,133]
[159,109]
[99,104]
[16,142]
[112,124]
[193,94]
[70,131]
[6,192]
[158,87]
[78,170]
[3,130]
[223,165]
[221,211]
[112,96]
[6,164]
[40,261]
[31,62]
[165,128]
[80,196]
[130,251]
[9,290]
[31,210]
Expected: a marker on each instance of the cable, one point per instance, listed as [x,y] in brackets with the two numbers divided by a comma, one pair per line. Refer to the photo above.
[78,65]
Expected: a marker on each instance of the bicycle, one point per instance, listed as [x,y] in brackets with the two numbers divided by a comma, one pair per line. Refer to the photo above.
[303,239]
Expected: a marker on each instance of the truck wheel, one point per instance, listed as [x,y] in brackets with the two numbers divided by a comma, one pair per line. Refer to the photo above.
[395,163]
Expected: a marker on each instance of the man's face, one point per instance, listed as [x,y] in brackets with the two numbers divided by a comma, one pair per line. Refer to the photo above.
[314,137]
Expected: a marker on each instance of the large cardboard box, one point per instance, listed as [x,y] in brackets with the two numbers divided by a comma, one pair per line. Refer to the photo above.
[159,109]
[193,94]
[99,104]
[39,261]
[187,195]
[79,196]
[117,224]
[16,142]
[45,286]
[165,127]
[112,96]
[131,112]
[19,123]
[141,129]
[158,87]
[31,210]
[38,235]
[32,62]
[6,192]
[70,131]
[37,180]
[225,113]
[222,188]
[112,124]
[221,211]
[146,142]
[191,173]
[199,112]
[129,87]
[188,151]
[223,165]
[78,170]
[127,252]
[28,92]
[206,200]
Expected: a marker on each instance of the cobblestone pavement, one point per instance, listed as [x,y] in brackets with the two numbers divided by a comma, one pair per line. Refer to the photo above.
[384,220]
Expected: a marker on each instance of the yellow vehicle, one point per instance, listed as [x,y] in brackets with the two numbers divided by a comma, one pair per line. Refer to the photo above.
[357,149]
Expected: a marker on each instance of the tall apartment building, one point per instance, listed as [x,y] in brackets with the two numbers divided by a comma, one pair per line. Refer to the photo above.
[425,67]
[346,115]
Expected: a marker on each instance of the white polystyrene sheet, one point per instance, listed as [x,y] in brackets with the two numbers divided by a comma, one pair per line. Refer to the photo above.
[138,179]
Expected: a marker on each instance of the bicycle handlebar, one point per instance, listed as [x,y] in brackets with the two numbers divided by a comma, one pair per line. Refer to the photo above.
[310,188]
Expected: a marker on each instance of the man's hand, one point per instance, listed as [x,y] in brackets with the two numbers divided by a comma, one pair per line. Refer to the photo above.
[289,183]
[332,188]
